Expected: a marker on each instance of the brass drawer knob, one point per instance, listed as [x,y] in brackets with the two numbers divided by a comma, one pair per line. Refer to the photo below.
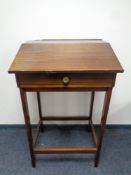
[66,80]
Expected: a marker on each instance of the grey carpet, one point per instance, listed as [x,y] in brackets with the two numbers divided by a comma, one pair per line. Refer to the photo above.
[115,155]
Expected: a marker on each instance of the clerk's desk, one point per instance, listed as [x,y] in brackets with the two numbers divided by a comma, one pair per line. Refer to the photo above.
[65,65]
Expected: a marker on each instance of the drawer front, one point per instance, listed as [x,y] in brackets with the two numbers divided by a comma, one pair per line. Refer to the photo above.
[65,80]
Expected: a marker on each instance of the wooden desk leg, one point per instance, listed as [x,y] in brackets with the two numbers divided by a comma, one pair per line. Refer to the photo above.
[91,104]
[40,111]
[27,123]
[91,109]
[103,123]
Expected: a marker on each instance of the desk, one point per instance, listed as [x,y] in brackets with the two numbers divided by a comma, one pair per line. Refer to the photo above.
[65,65]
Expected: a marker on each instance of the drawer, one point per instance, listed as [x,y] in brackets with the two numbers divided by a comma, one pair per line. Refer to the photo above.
[65,80]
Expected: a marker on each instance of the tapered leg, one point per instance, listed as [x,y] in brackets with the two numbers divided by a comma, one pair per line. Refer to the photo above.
[91,104]
[40,111]
[103,123]
[27,123]
[91,109]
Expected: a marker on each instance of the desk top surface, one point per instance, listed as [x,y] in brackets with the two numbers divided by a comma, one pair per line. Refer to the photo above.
[65,56]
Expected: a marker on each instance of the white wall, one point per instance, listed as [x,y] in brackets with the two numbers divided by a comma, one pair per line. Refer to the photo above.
[22,20]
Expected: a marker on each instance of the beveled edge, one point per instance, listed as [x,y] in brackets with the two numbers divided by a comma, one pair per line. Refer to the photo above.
[67,71]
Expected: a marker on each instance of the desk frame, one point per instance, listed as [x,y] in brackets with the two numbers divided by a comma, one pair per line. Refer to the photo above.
[39,150]
[65,65]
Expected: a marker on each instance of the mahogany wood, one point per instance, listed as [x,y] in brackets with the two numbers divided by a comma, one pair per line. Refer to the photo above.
[103,122]
[39,105]
[77,80]
[66,56]
[79,88]
[27,123]
[40,111]
[37,133]
[93,132]
[64,150]
[86,65]
[64,118]
[91,104]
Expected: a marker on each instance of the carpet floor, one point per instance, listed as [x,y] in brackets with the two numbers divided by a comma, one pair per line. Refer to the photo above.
[115,155]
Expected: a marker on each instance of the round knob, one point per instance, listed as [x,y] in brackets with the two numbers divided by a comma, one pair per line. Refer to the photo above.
[66,80]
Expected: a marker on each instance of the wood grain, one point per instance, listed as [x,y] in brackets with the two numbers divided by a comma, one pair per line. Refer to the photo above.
[88,65]
[41,150]
[66,56]
[76,80]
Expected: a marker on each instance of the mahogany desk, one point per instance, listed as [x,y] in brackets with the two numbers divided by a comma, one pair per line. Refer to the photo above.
[65,65]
